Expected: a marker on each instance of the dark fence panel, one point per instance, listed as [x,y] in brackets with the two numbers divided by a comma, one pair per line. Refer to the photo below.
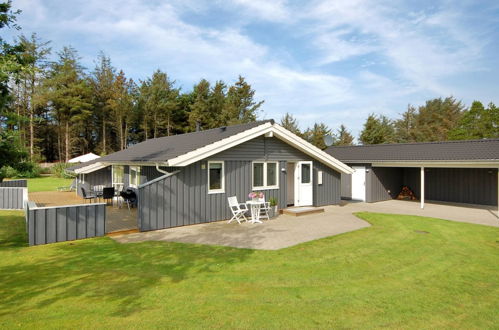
[14,183]
[13,198]
[64,223]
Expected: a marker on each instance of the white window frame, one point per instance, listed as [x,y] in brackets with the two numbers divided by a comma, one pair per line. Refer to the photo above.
[265,186]
[112,175]
[137,176]
[222,177]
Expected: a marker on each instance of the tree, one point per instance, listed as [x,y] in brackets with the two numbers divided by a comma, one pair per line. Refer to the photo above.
[121,105]
[477,123]
[12,152]
[35,53]
[290,123]
[437,118]
[102,83]
[69,97]
[240,106]
[377,130]
[316,135]
[405,128]
[199,116]
[11,64]
[159,99]
[343,137]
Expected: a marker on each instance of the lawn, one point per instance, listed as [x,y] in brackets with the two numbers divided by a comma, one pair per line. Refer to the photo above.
[47,183]
[403,272]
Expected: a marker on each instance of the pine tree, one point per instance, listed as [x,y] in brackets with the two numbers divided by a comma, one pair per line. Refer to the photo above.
[69,96]
[343,137]
[316,135]
[437,118]
[290,123]
[240,106]
[121,105]
[377,130]
[405,128]
[199,116]
[102,81]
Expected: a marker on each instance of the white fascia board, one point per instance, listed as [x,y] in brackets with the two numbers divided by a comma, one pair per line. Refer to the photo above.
[90,168]
[311,150]
[276,130]
[448,164]
[216,147]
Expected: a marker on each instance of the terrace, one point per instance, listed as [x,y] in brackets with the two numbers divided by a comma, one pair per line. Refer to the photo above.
[117,219]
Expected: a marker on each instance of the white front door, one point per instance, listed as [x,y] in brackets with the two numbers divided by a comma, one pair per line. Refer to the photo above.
[359,183]
[303,184]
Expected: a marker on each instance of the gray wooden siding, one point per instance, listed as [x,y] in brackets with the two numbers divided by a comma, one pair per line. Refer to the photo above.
[461,185]
[346,186]
[14,183]
[383,183]
[65,223]
[329,192]
[183,199]
[13,198]
[262,148]
[458,185]
[99,177]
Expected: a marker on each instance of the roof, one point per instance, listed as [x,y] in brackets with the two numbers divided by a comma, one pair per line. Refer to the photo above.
[184,149]
[469,150]
[162,149]
[84,158]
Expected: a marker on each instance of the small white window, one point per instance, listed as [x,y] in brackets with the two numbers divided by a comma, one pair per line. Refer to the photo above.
[265,175]
[118,172]
[216,177]
[134,176]
[319,177]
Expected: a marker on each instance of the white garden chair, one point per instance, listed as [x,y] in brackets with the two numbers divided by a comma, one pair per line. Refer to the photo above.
[238,210]
[264,208]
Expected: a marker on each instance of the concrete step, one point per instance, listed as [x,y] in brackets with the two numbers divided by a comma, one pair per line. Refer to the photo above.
[302,210]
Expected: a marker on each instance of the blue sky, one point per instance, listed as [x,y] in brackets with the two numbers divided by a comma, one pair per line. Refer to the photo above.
[328,61]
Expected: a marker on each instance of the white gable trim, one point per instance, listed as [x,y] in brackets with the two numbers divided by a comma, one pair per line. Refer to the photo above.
[264,129]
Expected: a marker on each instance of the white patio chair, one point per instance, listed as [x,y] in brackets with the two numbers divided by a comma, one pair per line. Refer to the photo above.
[238,210]
[264,208]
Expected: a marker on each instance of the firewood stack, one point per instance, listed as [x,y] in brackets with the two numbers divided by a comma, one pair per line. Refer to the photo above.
[406,194]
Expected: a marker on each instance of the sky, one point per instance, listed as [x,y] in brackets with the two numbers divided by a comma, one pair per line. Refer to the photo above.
[334,62]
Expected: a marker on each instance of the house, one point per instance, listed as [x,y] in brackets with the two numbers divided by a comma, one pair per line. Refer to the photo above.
[186,179]
[84,158]
[451,171]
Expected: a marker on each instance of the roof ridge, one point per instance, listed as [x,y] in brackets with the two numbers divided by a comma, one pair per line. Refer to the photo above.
[416,143]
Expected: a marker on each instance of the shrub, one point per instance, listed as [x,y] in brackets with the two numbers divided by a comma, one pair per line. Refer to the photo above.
[22,170]
[59,170]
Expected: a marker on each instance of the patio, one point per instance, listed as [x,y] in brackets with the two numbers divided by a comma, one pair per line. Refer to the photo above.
[287,230]
[117,219]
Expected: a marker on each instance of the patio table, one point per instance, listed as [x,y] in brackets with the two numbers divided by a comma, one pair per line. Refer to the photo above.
[255,210]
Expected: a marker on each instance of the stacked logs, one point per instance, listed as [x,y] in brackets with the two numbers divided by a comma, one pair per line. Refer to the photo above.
[406,194]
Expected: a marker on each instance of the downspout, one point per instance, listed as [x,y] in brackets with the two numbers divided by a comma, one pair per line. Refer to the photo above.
[160,170]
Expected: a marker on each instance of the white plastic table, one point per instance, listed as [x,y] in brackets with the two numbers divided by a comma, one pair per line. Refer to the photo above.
[255,210]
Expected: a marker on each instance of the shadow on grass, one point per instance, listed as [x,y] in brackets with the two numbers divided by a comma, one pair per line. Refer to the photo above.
[101,270]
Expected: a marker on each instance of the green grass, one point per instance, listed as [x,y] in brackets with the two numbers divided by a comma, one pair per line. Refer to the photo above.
[385,276]
[47,183]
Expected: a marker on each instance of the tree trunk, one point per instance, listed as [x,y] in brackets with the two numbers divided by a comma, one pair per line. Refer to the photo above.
[125,139]
[67,141]
[103,136]
[121,132]
[31,120]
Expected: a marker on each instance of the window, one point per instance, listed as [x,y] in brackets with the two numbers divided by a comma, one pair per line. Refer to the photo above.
[265,175]
[215,177]
[305,173]
[118,172]
[134,176]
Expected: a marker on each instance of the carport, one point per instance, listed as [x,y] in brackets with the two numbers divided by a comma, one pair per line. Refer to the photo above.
[452,171]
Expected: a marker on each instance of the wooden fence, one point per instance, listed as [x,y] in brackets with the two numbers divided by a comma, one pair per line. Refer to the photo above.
[15,183]
[64,223]
[13,198]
